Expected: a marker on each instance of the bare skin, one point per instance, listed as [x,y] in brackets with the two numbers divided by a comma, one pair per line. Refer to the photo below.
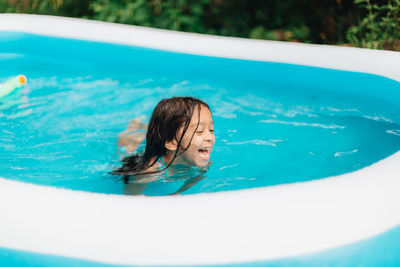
[132,137]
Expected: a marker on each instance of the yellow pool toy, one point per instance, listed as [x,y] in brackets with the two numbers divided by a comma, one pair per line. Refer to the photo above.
[12,84]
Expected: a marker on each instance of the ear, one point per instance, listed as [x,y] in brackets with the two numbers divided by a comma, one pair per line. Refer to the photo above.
[171,145]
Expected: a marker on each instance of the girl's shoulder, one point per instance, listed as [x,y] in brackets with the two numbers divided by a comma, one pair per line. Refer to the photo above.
[159,164]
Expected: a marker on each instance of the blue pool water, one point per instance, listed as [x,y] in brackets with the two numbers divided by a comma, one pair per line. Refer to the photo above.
[275,123]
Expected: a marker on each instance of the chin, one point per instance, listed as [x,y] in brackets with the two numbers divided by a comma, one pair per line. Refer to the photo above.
[202,163]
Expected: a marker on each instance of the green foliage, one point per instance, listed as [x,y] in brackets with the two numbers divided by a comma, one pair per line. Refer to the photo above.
[71,8]
[296,34]
[317,21]
[380,28]
[313,21]
[180,15]
[291,20]
[30,6]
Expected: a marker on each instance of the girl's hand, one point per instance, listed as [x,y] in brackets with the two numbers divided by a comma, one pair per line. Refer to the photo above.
[137,124]
[131,138]
[131,141]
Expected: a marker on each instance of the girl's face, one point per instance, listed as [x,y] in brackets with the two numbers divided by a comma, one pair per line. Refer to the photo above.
[198,153]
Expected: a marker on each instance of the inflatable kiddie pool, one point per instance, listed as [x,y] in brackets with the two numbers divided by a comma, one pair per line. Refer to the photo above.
[339,219]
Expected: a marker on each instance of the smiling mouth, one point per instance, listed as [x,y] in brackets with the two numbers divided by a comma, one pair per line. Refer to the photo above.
[205,153]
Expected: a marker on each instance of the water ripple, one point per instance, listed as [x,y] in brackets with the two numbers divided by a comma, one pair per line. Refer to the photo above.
[253,142]
[395,132]
[304,124]
[345,153]
[4,56]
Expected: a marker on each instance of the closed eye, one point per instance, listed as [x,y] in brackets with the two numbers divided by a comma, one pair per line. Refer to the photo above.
[202,131]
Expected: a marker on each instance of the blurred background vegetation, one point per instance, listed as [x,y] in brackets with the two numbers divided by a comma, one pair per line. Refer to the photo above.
[364,23]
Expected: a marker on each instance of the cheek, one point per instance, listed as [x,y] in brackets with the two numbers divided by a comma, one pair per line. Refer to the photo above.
[196,142]
[193,149]
[191,139]
[185,143]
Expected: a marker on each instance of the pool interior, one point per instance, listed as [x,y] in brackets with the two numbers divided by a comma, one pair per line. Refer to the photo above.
[275,123]
[382,250]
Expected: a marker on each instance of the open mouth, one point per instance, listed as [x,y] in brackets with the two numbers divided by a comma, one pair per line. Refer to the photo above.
[205,152]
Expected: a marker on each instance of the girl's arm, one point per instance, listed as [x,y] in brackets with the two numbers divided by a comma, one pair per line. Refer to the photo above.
[189,183]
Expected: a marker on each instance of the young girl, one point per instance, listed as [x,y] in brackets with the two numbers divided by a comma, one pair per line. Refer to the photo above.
[180,132]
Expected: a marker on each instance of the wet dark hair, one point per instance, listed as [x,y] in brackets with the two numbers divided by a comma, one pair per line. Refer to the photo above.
[168,117]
